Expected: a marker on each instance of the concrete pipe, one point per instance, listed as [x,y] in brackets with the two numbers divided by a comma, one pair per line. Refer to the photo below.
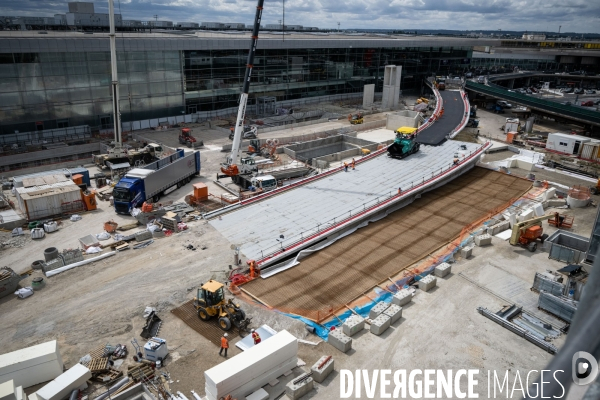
[50,253]
[577,203]
[39,264]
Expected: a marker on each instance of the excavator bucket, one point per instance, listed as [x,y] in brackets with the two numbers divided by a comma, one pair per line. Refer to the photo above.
[152,326]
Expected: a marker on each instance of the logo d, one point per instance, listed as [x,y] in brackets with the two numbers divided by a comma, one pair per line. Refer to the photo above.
[585,368]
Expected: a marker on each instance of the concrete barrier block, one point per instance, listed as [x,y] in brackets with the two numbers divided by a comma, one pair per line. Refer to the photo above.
[143,235]
[498,227]
[378,309]
[402,297]
[353,325]
[483,240]
[466,252]
[320,374]
[339,340]
[260,394]
[556,202]
[295,391]
[442,270]
[394,312]
[427,283]
[380,324]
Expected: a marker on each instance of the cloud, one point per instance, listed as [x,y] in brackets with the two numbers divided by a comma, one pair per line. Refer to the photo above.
[535,15]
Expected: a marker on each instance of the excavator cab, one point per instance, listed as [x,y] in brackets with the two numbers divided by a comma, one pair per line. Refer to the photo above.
[210,302]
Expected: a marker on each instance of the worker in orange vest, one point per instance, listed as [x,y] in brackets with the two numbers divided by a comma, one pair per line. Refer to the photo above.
[256,337]
[224,344]
[254,270]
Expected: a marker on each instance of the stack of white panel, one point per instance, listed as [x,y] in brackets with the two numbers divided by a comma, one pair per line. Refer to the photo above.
[74,378]
[8,391]
[32,365]
[246,372]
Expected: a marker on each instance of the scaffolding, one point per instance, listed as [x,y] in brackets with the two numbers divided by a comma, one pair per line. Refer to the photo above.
[266,105]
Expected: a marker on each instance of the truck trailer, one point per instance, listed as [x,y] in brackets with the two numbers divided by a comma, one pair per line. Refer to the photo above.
[155,180]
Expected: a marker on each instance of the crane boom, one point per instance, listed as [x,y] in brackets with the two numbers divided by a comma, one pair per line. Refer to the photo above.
[230,167]
[521,226]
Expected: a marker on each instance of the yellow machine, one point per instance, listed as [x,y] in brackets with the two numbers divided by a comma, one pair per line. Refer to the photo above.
[526,233]
[210,303]
[406,130]
[355,119]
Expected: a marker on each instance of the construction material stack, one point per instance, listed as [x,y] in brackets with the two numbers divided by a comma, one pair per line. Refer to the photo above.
[243,374]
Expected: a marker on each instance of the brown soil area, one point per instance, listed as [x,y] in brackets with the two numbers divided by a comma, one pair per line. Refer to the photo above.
[329,279]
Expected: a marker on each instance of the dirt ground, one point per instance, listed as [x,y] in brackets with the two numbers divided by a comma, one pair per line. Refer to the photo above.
[343,271]
[103,302]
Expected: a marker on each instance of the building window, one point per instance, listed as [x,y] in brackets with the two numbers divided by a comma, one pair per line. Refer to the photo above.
[62,123]
[562,144]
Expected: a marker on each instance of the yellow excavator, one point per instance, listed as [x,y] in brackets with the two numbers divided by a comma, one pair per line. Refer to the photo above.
[210,302]
[526,233]
[356,119]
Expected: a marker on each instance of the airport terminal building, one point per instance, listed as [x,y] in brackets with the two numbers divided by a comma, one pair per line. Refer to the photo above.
[54,79]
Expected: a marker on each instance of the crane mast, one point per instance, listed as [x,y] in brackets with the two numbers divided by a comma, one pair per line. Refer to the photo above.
[117,150]
[230,167]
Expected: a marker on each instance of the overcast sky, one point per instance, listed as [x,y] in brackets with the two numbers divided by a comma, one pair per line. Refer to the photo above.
[581,16]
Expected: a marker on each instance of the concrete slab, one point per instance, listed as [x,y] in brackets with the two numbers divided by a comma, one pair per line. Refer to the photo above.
[311,208]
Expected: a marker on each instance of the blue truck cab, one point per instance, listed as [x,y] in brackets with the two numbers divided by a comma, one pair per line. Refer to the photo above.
[155,179]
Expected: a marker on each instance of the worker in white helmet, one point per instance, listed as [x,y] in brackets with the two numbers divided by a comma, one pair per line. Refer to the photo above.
[224,344]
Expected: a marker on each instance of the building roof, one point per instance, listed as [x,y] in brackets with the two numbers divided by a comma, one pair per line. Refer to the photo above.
[59,41]
[44,180]
[569,136]
[35,192]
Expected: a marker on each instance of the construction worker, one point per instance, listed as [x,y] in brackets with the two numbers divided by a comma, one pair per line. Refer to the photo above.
[455,160]
[224,344]
[399,190]
[345,166]
[353,163]
[254,270]
[256,337]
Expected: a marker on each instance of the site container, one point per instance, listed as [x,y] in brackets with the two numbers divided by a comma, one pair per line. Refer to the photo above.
[566,144]
[37,202]
[591,151]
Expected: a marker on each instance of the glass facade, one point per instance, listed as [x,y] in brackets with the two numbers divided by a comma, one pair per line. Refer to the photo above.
[53,90]
[504,64]
[213,78]
[48,90]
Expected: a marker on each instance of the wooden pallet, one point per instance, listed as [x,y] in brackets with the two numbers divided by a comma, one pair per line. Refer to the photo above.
[107,377]
[98,365]
[140,372]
